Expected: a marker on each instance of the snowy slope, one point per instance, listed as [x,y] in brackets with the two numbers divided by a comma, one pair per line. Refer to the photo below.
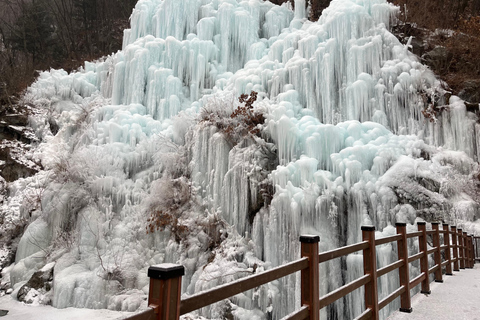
[157,160]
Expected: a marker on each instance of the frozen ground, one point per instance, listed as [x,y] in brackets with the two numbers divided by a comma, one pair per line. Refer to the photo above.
[458,297]
[18,310]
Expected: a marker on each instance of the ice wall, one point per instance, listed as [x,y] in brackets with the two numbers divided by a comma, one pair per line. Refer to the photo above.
[150,130]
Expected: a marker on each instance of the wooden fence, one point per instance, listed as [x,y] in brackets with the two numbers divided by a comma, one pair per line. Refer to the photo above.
[476,246]
[458,253]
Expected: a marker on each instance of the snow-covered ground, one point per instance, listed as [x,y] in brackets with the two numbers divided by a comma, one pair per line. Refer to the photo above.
[18,310]
[458,297]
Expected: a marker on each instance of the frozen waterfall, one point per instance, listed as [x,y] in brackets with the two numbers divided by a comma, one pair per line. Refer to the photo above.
[356,131]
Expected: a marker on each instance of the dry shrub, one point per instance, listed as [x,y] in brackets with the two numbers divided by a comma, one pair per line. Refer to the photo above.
[465,46]
[215,228]
[434,14]
[161,219]
[248,118]
[464,58]
[243,122]
[170,209]
[171,197]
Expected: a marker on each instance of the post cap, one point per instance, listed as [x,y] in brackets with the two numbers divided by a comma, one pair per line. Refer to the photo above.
[453,227]
[465,232]
[368,228]
[407,310]
[309,238]
[421,223]
[436,223]
[400,224]
[166,271]
[459,230]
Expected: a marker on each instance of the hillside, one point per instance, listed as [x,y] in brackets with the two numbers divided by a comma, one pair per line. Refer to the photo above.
[445,35]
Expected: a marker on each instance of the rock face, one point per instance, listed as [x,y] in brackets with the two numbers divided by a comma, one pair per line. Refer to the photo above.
[16,140]
[38,287]
[17,146]
[438,59]
[470,91]
[10,166]
[407,32]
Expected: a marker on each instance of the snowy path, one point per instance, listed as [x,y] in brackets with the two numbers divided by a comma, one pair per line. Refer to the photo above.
[458,297]
[18,310]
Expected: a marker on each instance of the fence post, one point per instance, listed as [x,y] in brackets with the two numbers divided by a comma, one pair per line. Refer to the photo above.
[472,258]
[467,251]
[404,271]
[165,290]
[477,249]
[465,248]
[455,248]
[422,245]
[472,255]
[474,248]
[460,249]
[448,255]
[310,291]
[437,254]
[470,251]
[370,267]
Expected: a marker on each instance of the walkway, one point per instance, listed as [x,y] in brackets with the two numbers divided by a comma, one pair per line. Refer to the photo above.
[458,297]
[20,311]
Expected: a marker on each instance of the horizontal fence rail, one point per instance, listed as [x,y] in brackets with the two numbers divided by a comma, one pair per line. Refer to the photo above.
[459,252]
[228,290]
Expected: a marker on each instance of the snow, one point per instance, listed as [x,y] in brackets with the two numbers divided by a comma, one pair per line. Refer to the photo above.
[151,165]
[166,266]
[19,310]
[456,298]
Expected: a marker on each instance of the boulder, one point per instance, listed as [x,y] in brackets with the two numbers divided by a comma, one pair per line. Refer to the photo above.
[408,32]
[470,91]
[38,287]
[417,46]
[13,163]
[17,140]
[438,59]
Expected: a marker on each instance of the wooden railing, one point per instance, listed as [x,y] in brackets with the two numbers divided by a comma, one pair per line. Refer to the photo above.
[165,279]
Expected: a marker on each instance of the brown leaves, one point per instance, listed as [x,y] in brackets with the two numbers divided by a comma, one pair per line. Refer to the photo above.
[164,219]
[247,117]
[241,123]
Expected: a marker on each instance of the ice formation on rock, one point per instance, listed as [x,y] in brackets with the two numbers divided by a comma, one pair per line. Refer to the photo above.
[356,132]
